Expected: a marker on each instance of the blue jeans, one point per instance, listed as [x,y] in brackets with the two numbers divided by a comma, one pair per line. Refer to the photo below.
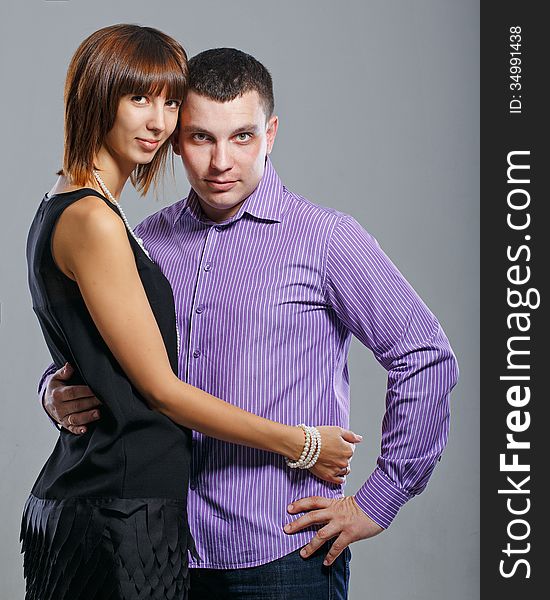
[288,578]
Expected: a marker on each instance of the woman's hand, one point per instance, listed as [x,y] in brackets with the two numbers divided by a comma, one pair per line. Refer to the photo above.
[337,448]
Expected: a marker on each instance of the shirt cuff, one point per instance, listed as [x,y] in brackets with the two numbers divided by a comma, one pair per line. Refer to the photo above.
[380,498]
[44,380]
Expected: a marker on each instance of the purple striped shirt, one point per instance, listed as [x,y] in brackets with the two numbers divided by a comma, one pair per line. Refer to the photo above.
[267,303]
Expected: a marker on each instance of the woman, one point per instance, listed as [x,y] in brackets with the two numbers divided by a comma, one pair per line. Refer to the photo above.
[107,516]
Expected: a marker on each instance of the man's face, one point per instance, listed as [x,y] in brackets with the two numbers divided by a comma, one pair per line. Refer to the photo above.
[223,146]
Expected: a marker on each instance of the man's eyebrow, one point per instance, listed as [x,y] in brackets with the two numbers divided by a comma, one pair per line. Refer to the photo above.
[194,129]
[251,128]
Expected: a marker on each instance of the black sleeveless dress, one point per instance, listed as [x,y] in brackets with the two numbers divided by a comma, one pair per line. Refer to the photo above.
[106,518]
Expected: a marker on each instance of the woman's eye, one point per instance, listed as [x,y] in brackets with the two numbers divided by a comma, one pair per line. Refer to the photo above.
[173,103]
[139,99]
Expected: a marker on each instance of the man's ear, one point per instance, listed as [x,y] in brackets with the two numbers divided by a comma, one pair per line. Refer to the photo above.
[271,132]
[174,140]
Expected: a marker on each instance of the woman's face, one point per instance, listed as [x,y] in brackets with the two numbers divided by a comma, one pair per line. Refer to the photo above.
[142,125]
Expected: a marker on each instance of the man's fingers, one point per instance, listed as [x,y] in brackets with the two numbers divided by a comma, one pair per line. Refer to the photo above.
[68,393]
[339,545]
[76,429]
[65,405]
[76,420]
[81,405]
[66,372]
[323,535]
[83,418]
[314,517]
[309,503]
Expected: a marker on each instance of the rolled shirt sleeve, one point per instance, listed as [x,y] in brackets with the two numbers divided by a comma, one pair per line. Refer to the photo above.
[377,305]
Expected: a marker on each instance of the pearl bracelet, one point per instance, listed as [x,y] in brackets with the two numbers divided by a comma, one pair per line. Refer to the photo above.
[317,451]
[311,451]
[307,444]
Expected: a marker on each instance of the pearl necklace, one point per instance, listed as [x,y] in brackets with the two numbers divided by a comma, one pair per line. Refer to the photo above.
[106,191]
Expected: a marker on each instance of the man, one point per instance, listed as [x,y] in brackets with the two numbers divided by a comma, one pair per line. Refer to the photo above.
[269,289]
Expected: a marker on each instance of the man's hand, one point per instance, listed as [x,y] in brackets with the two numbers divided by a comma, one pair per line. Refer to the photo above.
[342,519]
[72,406]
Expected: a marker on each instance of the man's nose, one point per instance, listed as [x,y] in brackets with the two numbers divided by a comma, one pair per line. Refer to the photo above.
[221,157]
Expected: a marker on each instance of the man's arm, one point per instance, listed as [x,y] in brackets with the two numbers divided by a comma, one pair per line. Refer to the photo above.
[376,304]
[68,406]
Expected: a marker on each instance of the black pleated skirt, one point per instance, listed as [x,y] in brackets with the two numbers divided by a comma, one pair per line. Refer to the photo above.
[106,549]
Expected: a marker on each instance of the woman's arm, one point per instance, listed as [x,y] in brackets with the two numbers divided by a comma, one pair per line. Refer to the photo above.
[90,245]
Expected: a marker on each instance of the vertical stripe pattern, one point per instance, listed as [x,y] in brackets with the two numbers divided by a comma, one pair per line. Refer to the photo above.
[267,304]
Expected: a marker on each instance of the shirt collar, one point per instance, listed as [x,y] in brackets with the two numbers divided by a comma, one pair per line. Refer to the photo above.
[265,202]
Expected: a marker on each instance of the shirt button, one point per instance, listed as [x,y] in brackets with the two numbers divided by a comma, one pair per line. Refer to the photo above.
[193,486]
[199,309]
[207,267]
[196,353]
[218,228]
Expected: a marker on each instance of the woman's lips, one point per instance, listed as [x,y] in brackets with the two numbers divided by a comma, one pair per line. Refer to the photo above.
[148,145]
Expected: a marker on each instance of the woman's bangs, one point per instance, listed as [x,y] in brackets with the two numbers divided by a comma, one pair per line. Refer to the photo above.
[148,77]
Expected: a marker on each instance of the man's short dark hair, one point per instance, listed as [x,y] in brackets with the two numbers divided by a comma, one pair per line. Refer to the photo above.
[223,74]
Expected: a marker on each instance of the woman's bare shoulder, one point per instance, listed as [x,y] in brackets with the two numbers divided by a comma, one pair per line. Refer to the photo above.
[89,234]
[91,216]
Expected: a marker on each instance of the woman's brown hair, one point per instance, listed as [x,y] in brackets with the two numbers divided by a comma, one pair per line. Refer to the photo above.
[110,63]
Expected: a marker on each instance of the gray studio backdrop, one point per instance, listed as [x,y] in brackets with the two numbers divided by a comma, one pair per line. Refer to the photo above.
[379,108]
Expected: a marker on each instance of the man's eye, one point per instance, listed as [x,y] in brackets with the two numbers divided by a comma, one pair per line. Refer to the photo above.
[244,137]
[199,137]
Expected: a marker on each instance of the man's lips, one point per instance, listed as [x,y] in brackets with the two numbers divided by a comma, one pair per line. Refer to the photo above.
[148,144]
[221,185]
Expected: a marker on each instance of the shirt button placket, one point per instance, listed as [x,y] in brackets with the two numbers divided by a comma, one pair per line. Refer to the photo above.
[198,309]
